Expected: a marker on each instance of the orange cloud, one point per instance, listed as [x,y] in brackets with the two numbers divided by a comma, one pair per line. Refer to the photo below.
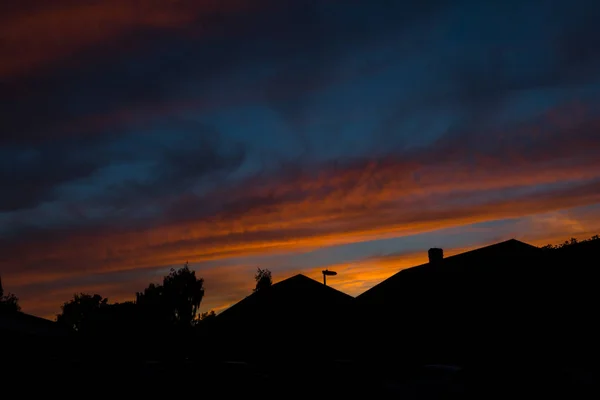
[203,240]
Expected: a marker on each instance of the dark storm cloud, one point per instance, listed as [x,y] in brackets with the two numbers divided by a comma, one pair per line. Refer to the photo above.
[30,175]
[185,157]
[301,45]
[86,90]
[476,58]
[556,50]
[89,182]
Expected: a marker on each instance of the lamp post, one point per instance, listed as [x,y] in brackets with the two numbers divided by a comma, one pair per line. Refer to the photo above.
[325,274]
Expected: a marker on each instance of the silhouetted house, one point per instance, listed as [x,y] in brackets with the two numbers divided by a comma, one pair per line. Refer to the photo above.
[295,318]
[26,325]
[35,337]
[456,308]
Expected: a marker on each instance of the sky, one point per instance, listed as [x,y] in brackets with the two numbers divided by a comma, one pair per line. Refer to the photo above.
[294,136]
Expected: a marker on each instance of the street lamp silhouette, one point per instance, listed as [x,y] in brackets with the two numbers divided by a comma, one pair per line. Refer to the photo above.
[325,274]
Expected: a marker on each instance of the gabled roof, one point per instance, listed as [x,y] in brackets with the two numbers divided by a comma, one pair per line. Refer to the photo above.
[297,294]
[285,322]
[470,262]
[22,323]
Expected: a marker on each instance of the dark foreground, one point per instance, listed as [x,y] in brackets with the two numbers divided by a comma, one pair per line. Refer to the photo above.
[294,379]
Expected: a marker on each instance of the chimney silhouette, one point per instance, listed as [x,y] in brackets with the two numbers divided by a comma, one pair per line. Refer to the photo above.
[436,255]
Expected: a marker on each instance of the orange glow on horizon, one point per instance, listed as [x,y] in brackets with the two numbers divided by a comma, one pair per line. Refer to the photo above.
[226,285]
[198,241]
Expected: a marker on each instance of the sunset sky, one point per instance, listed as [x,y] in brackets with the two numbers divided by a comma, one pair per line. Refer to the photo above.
[289,135]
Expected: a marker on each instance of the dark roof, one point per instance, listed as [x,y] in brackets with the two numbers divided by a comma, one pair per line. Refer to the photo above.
[297,294]
[289,320]
[27,324]
[470,263]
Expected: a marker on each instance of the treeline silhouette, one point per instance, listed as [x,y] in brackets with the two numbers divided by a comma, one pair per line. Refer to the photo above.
[159,337]
[160,308]
[162,313]
[570,242]
[8,302]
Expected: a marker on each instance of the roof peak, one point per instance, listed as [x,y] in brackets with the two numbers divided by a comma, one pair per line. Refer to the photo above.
[298,277]
[521,246]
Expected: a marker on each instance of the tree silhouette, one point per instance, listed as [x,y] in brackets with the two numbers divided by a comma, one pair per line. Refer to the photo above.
[81,313]
[207,315]
[118,318]
[152,306]
[176,301]
[568,243]
[205,318]
[8,303]
[263,279]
